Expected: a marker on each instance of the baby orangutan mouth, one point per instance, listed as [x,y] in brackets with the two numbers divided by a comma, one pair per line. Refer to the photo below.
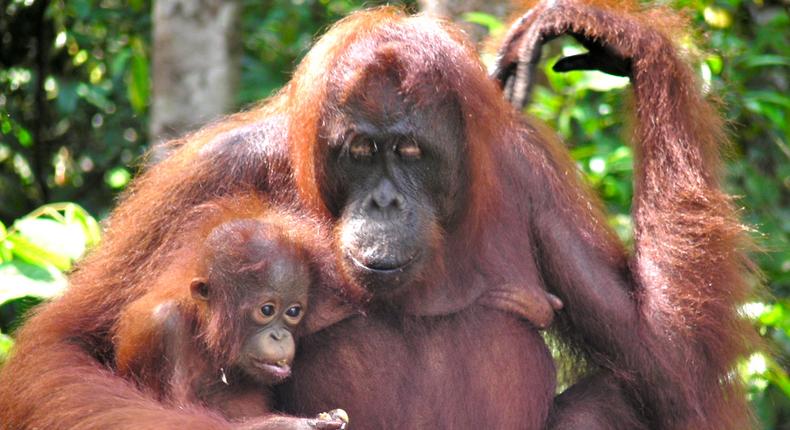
[278,371]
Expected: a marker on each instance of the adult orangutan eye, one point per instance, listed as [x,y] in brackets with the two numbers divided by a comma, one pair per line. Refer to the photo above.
[267,309]
[361,148]
[294,311]
[408,149]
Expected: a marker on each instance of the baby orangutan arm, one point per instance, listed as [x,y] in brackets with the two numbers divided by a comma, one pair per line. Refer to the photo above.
[173,368]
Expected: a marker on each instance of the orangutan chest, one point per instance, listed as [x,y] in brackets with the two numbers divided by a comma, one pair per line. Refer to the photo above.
[476,369]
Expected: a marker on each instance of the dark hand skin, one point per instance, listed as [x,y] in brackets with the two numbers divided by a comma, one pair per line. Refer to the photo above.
[521,52]
[599,57]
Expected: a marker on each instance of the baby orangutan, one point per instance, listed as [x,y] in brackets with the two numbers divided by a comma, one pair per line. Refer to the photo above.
[218,329]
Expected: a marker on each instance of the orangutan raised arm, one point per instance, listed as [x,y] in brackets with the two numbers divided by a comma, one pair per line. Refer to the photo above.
[678,334]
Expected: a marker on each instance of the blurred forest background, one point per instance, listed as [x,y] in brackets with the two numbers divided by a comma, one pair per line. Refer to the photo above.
[80,103]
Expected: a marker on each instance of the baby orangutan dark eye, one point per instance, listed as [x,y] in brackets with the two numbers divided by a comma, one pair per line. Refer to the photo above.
[294,311]
[267,310]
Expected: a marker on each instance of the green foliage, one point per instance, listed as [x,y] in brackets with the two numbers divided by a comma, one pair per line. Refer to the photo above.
[5,346]
[35,254]
[278,33]
[74,91]
[491,23]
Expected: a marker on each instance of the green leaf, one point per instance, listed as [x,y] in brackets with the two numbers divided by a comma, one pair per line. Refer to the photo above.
[778,376]
[76,214]
[490,22]
[715,63]
[5,346]
[5,125]
[767,97]
[30,252]
[117,178]
[66,240]
[57,233]
[136,5]
[82,8]
[717,17]
[602,82]
[767,60]
[94,95]
[776,315]
[22,279]
[118,64]
[67,97]
[138,90]
[5,247]
[24,137]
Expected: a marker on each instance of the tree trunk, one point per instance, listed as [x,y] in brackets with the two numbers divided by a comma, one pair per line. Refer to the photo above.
[195,64]
[454,9]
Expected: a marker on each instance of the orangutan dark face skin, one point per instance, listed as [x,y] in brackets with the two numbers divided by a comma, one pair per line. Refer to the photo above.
[272,306]
[400,171]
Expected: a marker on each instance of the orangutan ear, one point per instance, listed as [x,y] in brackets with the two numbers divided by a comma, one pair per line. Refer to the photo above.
[199,289]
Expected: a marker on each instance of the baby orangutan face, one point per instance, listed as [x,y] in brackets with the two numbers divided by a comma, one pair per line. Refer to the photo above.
[263,281]
[269,348]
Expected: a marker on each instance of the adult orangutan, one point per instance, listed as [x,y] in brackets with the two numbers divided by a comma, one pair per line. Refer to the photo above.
[451,214]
